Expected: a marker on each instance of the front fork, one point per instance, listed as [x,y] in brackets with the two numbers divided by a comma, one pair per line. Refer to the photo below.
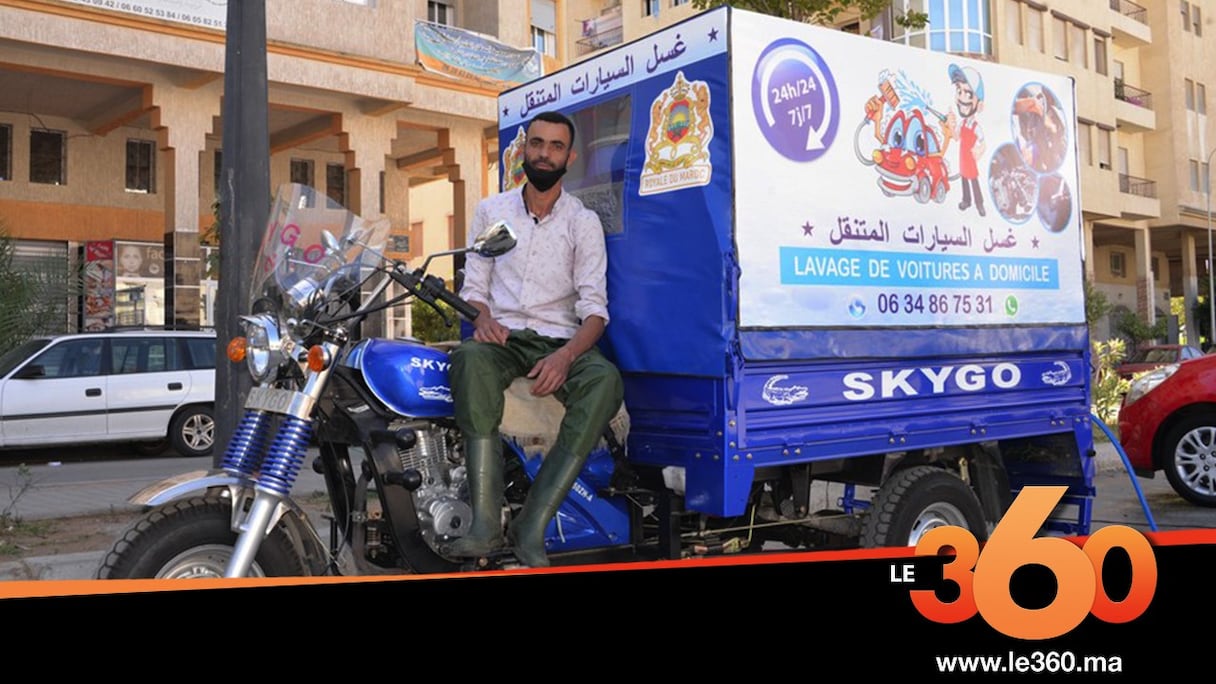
[272,469]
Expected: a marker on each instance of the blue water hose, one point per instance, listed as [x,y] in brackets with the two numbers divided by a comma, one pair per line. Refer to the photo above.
[1152,525]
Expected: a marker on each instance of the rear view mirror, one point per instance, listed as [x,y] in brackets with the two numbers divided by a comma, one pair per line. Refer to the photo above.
[34,370]
[496,240]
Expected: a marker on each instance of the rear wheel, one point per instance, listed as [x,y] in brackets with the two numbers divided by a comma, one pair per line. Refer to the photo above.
[192,433]
[918,499]
[1190,460]
[193,538]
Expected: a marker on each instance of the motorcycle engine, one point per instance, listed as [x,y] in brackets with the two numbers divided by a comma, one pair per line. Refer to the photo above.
[442,500]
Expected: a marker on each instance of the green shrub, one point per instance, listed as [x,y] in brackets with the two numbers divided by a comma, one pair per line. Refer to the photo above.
[428,324]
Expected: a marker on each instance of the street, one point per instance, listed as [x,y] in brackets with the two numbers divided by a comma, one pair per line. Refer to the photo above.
[65,482]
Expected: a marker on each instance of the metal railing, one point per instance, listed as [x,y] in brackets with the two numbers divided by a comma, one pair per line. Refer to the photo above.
[1140,187]
[1133,95]
[1130,9]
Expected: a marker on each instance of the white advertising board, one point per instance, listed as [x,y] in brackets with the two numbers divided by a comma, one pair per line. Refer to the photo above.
[878,185]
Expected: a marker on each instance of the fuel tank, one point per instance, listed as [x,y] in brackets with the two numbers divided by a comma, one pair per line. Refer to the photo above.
[409,377]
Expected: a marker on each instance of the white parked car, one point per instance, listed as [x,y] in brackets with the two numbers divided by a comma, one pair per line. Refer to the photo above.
[155,388]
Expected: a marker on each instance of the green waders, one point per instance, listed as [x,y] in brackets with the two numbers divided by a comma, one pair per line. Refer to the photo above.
[592,394]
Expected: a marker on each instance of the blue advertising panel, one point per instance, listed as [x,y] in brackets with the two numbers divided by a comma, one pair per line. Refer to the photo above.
[654,161]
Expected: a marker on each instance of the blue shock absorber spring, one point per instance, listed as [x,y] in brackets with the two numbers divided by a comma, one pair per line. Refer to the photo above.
[248,445]
[282,464]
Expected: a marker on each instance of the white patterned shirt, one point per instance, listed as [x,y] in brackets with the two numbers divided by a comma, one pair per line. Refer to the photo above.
[556,276]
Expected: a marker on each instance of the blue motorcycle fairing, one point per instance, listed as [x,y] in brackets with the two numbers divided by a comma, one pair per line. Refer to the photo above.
[409,377]
[585,519]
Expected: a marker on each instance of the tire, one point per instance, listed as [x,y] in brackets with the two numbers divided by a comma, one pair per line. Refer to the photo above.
[923,190]
[192,538]
[1189,460]
[915,500]
[192,432]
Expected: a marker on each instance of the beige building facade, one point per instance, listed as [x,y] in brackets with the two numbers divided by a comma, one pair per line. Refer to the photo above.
[131,99]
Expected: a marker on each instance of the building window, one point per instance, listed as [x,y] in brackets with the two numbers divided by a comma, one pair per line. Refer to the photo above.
[544,42]
[1104,148]
[381,192]
[141,166]
[1189,87]
[6,152]
[301,171]
[1059,38]
[1201,98]
[650,8]
[48,157]
[1077,54]
[1034,29]
[954,26]
[1083,143]
[1100,55]
[1185,8]
[544,26]
[440,13]
[335,183]
[1193,166]
[1013,21]
[677,3]
[1118,264]
[1196,22]
[219,173]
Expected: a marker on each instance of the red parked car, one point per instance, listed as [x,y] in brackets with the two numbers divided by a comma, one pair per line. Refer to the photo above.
[1168,422]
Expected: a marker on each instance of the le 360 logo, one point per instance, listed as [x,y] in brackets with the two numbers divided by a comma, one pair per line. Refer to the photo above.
[983,579]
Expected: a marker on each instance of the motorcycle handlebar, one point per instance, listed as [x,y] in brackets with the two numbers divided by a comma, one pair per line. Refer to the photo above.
[434,286]
[430,288]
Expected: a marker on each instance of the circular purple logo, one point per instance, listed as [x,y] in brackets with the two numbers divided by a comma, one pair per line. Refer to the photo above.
[794,100]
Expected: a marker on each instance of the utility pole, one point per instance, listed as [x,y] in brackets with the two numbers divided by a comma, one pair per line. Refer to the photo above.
[1207,182]
[244,199]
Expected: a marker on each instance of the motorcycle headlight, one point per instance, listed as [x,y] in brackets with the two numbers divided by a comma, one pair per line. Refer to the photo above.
[264,346]
[1148,382]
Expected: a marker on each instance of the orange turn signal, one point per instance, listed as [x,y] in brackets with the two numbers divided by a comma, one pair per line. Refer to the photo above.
[318,359]
[237,348]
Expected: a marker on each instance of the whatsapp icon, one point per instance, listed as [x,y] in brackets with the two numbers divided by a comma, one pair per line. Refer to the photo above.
[1011,306]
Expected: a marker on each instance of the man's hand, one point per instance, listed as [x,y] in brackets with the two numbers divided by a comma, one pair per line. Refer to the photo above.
[550,372]
[486,329]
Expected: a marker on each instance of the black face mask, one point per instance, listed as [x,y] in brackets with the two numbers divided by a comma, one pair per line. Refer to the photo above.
[543,179]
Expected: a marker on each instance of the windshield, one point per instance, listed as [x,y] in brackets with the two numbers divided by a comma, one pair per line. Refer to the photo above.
[313,248]
[1154,355]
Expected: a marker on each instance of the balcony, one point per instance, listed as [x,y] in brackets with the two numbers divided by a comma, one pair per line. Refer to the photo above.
[1134,108]
[1138,198]
[1130,23]
[602,31]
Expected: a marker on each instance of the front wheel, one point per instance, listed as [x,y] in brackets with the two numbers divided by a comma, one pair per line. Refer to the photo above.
[193,538]
[1190,460]
[918,499]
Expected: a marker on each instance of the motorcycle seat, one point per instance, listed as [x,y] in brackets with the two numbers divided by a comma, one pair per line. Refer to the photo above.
[532,422]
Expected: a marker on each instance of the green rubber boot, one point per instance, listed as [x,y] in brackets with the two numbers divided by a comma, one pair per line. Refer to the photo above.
[552,485]
[483,456]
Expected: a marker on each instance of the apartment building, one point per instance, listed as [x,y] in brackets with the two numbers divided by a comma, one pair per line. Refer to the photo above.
[111,128]
[110,125]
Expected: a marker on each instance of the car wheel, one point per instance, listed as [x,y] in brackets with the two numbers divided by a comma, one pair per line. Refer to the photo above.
[193,431]
[1189,459]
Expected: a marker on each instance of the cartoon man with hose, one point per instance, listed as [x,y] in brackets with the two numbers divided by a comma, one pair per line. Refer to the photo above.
[969,99]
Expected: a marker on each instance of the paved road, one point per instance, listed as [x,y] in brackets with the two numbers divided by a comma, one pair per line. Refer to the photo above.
[82,488]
